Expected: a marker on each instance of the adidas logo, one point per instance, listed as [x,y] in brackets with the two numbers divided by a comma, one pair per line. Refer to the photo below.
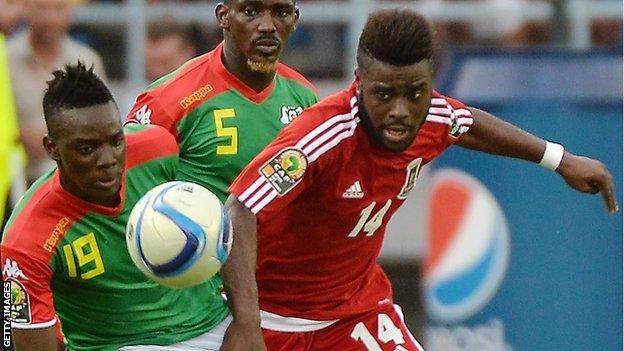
[354,191]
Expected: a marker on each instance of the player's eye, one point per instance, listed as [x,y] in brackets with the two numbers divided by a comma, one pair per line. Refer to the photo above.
[250,11]
[285,12]
[417,94]
[85,149]
[117,142]
[382,95]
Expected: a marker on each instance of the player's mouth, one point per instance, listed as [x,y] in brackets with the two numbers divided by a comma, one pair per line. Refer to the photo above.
[396,133]
[108,182]
[267,46]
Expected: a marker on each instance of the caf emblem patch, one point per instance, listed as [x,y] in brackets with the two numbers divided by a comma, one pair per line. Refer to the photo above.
[285,170]
[20,303]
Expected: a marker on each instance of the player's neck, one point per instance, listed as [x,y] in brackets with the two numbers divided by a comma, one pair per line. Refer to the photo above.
[237,64]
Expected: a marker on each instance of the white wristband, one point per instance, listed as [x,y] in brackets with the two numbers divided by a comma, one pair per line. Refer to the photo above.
[552,156]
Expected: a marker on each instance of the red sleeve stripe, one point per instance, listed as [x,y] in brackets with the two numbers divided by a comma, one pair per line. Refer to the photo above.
[260,205]
[442,112]
[251,189]
[314,144]
[439,102]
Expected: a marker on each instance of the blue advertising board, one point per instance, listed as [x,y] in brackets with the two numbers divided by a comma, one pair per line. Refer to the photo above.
[521,261]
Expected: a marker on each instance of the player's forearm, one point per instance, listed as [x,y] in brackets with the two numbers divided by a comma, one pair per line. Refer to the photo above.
[239,272]
[35,339]
[494,136]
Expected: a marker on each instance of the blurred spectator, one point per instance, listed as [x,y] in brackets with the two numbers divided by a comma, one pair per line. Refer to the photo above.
[32,55]
[510,30]
[169,44]
[11,15]
[12,182]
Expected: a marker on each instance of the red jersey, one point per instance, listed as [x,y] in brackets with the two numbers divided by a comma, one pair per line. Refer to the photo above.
[323,193]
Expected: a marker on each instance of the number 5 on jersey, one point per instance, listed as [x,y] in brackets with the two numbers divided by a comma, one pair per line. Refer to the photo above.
[230,148]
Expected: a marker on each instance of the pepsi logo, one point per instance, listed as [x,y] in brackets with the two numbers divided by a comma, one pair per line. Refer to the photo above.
[468,241]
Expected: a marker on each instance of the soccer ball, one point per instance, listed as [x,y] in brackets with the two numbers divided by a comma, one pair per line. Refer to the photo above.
[179,234]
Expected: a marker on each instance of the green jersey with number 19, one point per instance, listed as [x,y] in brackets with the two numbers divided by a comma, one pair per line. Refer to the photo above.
[220,123]
[67,257]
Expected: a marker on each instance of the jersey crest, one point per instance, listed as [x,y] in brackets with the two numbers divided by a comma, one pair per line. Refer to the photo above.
[289,113]
[411,175]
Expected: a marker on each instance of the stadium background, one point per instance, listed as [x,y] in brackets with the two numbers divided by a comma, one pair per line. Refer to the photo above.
[551,67]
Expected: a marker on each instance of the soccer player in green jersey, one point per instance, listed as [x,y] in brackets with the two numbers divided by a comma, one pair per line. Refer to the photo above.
[64,248]
[223,108]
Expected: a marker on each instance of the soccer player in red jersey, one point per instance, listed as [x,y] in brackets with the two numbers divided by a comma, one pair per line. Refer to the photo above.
[319,196]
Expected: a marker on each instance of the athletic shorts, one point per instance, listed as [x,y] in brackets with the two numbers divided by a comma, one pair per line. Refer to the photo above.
[380,330]
[209,341]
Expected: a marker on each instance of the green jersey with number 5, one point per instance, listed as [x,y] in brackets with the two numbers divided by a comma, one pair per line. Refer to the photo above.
[220,123]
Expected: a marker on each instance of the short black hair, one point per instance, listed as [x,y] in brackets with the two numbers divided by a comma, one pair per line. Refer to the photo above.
[396,36]
[75,86]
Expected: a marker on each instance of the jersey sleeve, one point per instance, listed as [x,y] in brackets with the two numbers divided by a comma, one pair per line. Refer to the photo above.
[32,305]
[291,163]
[148,109]
[451,112]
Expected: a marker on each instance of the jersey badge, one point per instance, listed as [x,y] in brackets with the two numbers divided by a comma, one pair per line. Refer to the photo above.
[20,303]
[412,170]
[454,131]
[354,191]
[285,170]
[143,115]
[12,270]
[289,113]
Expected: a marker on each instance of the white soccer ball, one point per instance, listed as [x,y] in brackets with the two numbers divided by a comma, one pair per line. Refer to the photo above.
[179,234]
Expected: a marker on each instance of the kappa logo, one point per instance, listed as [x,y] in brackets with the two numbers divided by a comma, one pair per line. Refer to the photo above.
[12,270]
[143,115]
[58,231]
[196,96]
[289,113]
[354,191]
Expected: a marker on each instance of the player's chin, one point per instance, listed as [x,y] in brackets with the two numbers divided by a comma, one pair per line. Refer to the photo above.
[262,64]
[106,190]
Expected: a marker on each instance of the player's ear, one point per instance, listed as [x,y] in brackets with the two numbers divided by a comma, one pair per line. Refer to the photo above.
[297,16]
[51,148]
[222,15]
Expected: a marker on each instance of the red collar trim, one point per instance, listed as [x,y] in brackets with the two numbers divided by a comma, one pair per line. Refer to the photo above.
[232,82]
[86,206]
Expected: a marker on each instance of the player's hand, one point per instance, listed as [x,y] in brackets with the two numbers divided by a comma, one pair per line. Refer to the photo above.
[243,337]
[588,176]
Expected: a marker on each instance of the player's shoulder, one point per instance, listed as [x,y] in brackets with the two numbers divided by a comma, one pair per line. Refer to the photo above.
[180,91]
[447,119]
[36,216]
[440,100]
[290,74]
[147,142]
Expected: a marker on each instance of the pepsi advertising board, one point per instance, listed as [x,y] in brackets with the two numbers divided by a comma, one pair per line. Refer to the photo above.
[517,260]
